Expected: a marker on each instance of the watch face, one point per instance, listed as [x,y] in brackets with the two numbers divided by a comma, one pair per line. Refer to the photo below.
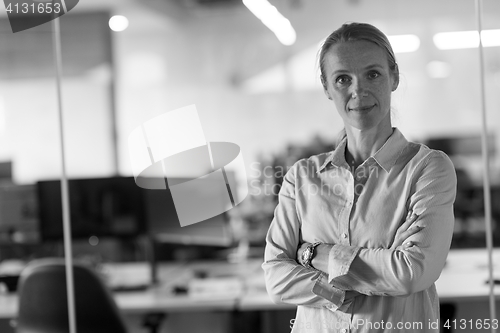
[306,255]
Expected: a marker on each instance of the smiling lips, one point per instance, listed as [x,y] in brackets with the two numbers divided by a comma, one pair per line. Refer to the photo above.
[362,108]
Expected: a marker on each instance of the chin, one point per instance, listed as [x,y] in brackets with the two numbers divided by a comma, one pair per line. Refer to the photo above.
[368,122]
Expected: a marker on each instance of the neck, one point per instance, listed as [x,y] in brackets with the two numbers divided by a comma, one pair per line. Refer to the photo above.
[361,144]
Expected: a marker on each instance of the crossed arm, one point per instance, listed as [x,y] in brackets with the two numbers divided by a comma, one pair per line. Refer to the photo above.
[404,232]
[343,272]
[322,251]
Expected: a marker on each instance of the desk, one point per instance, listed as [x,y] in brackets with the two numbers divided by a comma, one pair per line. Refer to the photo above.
[160,297]
[465,275]
[462,280]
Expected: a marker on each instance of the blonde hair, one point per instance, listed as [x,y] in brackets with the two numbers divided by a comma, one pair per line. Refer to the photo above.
[354,32]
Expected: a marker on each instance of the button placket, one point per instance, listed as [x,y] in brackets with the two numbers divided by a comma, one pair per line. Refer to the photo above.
[344,223]
[344,236]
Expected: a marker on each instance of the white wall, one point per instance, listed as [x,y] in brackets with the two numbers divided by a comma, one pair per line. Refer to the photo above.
[208,58]
[200,59]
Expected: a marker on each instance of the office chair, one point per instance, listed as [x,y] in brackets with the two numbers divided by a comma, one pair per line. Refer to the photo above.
[43,301]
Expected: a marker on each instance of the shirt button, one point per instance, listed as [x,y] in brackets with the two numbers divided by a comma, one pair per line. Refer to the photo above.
[344,235]
[344,330]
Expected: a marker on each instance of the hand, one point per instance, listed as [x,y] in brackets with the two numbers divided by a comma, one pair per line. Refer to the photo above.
[404,232]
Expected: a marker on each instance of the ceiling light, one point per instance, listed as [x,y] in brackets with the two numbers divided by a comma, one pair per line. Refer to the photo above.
[466,39]
[118,23]
[491,37]
[272,19]
[404,43]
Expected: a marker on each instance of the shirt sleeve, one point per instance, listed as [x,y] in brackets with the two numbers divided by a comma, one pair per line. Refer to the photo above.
[286,280]
[401,272]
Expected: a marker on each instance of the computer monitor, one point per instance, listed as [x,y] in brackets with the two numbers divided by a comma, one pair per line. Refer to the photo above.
[163,222]
[6,171]
[18,214]
[101,207]
[466,145]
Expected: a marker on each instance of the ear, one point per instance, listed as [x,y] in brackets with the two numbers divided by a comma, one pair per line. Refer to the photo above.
[325,88]
[395,82]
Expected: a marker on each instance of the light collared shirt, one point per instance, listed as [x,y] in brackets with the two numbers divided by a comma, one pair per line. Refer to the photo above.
[359,211]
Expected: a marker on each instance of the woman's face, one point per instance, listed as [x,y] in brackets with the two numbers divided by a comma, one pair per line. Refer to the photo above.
[359,81]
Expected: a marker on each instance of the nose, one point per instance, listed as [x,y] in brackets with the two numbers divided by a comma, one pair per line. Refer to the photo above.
[358,89]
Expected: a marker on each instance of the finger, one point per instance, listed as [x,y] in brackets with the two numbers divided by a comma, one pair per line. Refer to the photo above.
[412,217]
[407,235]
[411,231]
[408,222]
[415,229]
[407,245]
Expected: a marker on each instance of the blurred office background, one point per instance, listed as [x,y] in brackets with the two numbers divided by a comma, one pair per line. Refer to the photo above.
[249,89]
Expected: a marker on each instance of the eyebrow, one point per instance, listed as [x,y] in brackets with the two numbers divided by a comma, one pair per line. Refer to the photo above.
[372,66]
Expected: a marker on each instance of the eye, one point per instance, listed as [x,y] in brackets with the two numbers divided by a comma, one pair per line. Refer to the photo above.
[373,75]
[342,79]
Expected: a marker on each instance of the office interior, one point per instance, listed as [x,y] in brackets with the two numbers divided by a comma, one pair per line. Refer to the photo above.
[250,88]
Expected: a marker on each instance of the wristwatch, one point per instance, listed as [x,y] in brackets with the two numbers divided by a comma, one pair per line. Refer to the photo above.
[308,254]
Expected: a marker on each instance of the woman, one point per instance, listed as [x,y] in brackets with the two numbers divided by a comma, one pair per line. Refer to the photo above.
[361,234]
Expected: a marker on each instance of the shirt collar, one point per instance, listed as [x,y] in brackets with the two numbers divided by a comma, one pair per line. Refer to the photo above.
[336,157]
[386,156]
[389,153]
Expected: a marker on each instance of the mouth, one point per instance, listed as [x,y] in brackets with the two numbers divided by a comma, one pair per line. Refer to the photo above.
[366,108]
